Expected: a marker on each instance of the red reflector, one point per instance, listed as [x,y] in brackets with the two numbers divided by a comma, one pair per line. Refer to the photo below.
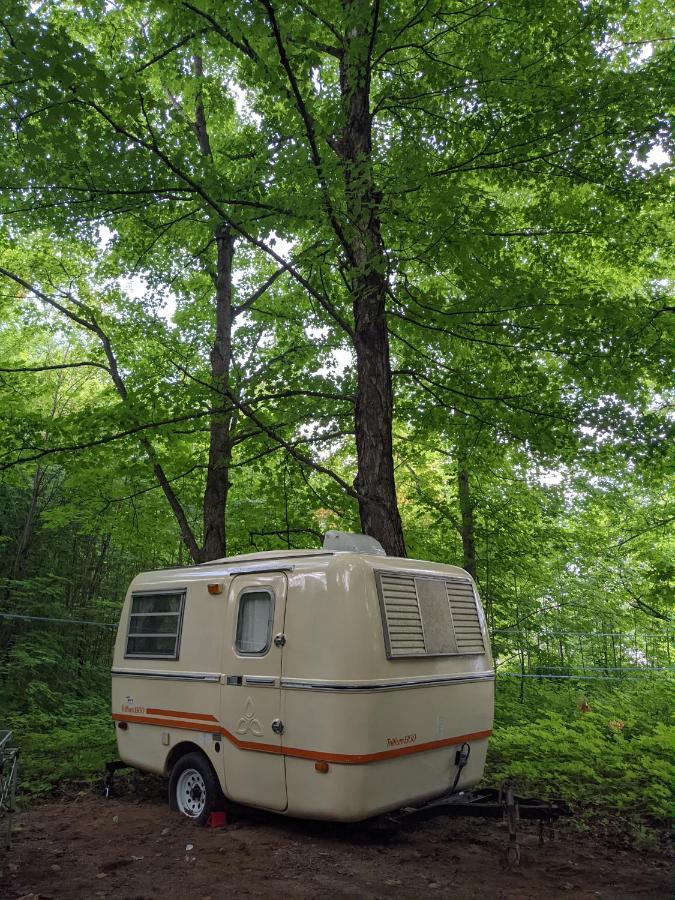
[122,726]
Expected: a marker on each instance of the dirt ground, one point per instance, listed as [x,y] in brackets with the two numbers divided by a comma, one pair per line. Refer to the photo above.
[134,847]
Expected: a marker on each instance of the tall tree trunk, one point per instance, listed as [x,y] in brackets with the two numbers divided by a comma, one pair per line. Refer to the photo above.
[378,507]
[214,506]
[21,555]
[23,546]
[220,444]
[466,512]
[39,475]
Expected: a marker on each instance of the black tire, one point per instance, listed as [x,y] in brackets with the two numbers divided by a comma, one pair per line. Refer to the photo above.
[194,789]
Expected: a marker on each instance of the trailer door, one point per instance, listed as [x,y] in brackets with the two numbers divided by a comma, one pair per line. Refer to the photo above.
[255,771]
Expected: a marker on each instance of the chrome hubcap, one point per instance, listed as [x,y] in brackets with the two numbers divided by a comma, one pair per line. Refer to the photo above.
[191,793]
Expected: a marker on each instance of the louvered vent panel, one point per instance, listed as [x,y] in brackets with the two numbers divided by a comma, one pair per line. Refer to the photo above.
[465,617]
[415,623]
[402,615]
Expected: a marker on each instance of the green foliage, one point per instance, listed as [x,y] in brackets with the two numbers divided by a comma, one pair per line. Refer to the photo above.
[613,762]
[527,235]
[65,747]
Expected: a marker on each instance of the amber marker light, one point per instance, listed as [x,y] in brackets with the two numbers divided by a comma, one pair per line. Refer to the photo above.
[321,766]
[215,588]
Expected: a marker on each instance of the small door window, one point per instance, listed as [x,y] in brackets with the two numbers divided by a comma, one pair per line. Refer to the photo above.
[254,622]
[155,625]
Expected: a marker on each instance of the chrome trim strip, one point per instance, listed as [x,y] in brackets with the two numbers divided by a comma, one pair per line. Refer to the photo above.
[301,684]
[351,687]
[244,570]
[177,590]
[166,676]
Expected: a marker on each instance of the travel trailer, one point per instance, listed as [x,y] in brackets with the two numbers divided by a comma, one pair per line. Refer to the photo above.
[328,684]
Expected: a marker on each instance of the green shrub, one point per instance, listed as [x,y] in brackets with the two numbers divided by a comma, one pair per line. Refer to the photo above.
[606,750]
[59,750]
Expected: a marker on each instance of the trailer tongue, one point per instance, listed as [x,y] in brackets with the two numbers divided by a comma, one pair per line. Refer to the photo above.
[490,803]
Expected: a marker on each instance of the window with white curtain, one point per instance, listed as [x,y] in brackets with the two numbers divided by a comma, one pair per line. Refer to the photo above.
[254,622]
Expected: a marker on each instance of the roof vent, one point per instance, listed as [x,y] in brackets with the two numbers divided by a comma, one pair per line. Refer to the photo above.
[356,543]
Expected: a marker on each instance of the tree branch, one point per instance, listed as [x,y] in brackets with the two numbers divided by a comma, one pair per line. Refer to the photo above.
[213,204]
[75,365]
[106,439]
[652,527]
[250,300]
[120,387]
[309,131]
[290,449]
[284,531]
[176,46]
[242,46]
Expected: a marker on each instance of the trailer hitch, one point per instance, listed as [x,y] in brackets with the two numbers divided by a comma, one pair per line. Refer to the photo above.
[500,803]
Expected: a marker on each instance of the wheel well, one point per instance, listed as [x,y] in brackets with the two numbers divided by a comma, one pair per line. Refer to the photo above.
[181,750]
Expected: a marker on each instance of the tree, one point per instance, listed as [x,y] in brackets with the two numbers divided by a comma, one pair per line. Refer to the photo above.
[402,151]
[194,236]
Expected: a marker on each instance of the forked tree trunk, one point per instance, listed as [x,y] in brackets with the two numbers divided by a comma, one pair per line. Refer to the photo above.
[378,507]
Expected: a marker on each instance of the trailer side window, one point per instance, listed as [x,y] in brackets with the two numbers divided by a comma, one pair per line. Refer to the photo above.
[254,622]
[155,624]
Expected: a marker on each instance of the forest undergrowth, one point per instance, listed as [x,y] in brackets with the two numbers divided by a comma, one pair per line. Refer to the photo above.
[605,748]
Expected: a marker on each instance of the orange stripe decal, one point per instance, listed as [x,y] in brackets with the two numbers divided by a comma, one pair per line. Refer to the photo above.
[170,723]
[297,752]
[180,715]
[360,758]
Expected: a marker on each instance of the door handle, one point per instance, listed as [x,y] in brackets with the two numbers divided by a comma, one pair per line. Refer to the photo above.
[280,640]
[278,726]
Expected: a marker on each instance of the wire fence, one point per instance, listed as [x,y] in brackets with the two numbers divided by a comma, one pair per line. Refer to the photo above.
[546,633]
[21,616]
[580,655]
[560,654]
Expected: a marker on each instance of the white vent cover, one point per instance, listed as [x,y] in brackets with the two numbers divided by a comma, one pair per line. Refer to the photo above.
[357,543]
[426,615]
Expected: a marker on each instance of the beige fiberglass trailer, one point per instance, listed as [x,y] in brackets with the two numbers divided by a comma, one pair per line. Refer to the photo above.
[329,684]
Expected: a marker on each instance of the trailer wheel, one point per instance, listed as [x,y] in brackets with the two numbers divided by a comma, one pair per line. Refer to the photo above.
[194,789]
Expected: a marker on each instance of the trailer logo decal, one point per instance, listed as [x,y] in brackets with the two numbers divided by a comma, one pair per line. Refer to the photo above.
[401,741]
[248,722]
[129,708]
